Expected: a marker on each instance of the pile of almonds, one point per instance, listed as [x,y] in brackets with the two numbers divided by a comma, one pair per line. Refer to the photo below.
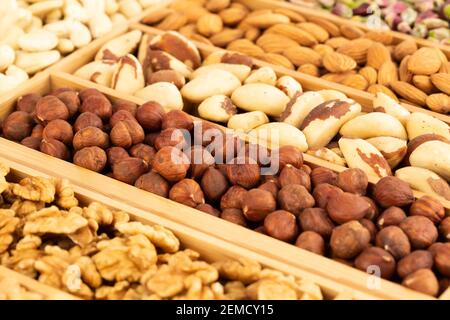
[314,208]
[369,61]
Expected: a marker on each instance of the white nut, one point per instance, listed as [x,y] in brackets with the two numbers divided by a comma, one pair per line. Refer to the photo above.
[260,97]
[35,24]
[383,103]
[374,124]
[424,180]
[118,18]
[11,37]
[329,94]
[65,46]
[119,46]
[392,149]
[247,121]
[7,57]
[239,70]
[165,93]
[420,123]
[148,3]
[299,107]
[100,25]
[209,84]
[23,18]
[75,11]
[12,78]
[79,34]
[277,134]
[262,75]
[361,154]
[111,7]
[328,155]
[39,40]
[59,28]
[325,120]
[32,62]
[217,108]
[100,72]
[130,8]
[54,15]
[433,155]
[44,7]
[289,86]
[128,76]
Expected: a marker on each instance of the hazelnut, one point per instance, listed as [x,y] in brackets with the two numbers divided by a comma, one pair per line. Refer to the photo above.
[317,220]
[129,170]
[369,225]
[261,230]
[98,104]
[271,187]
[444,229]
[171,163]
[17,126]
[51,108]
[419,259]
[120,115]
[150,138]
[234,215]
[60,130]
[92,158]
[391,191]
[87,119]
[154,183]
[131,107]
[288,155]
[55,149]
[170,76]
[421,232]
[90,137]
[291,175]
[233,198]
[393,240]
[294,198]
[214,184]
[27,103]
[177,119]
[344,207]
[444,284]
[127,133]
[150,115]
[116,154]
[144,152]
[392,216]
[257,204]
[307,169]
[171,137]
[438,246]
[353,181]
[209,209]
[373,211]
[323,175]
[37,131]
[442,261]
[225,148]
[349,239]
[281,225]
[271,178]
[32,142]
[376,257]
[71,100]
[187,192]
[205,133]
[86,93]
[323,192]
[311,241]
[422,280]
[57,91]
[244,172]
[260,154]
[428,207]
[201,160]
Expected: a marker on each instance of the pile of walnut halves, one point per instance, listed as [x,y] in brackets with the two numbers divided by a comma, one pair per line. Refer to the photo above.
[94,252]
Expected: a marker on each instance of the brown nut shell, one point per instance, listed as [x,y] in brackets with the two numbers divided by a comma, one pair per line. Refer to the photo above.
[116,154]
[209,209]
[177,119]
[32,142]
[345,207]
[429,208]
[92,158]
[201,160]
[127,133]
[234,216]
[50,108]
[317,220]
[392,216]
[393,240]
[244,172]
[87,119]
[17,126]
[311,241]
[55,149]
[171,163]
[419,259]
[391,191]
[233,198]
[60,130]
[129,170]
[257,204]
[143,151]
[98,104]
[324,192]
[154,183]
[294,198]
[90,137]
[420,230]
[187,192]
[291,175]
[323,175]
[281,225]
[150,115]
[214,184]
[353,181]
[422,280]
[349,239]
[374,257]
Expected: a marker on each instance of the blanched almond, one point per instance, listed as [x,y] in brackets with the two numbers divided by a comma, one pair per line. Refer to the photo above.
[278,134]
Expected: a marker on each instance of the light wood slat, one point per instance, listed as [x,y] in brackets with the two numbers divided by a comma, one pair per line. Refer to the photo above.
[445,295]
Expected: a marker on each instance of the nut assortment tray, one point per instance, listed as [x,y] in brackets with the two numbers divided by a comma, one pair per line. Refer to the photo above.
[121,140]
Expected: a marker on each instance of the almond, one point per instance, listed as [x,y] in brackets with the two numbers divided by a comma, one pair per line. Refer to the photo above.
[323,49]
[252,34]
[351,32]
[217,5]
[226,36]
[315,30]
[275,43]
[445,68]
[375,88]
[301,55]
[387,73]
[295,33]
[337,77]
[409,92]
[356,81]
[276,59]
[173,21]
[441,81]
[439,102]
[336,62]
[377,55]
[193,12]
[370,74]
[246,47]
[337,42]
[266,20]
[405,48]
[294,16]
[403,72]
[384,37]
[424,83]
[425,61]
[357,49]
[233,16]
[310,69]
[156,16]
[209,24]
[329,26]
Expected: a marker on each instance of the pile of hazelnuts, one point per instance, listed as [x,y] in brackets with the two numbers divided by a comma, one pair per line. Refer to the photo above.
[381,228]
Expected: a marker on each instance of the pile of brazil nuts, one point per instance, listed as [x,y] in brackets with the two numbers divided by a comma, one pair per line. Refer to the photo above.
[224,89]
[95,252]
[369,61]
[37,34]
[268,190]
